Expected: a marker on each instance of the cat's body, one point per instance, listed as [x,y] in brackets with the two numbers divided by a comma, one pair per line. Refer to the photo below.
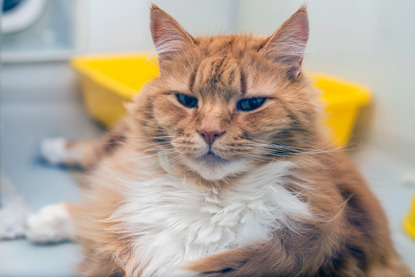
[170,220]
[222,168]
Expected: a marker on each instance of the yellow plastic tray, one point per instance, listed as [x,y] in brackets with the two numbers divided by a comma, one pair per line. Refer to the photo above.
[342,100]
[409,221]
[108,81]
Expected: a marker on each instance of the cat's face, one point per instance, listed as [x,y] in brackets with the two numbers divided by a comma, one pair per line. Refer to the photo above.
[226,103]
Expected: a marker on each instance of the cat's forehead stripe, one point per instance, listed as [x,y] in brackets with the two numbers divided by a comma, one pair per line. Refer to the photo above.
[243,83]
[220,74]
[217,67]
[192,80]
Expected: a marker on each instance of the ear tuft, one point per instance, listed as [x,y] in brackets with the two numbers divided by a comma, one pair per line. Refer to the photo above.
[303,9]
[287,45]
[168,36]
[154,7]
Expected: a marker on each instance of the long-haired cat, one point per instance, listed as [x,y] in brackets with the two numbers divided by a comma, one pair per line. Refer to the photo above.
[221,168]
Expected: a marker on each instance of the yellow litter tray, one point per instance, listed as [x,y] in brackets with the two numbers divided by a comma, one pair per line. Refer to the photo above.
[108,81]
[409,221]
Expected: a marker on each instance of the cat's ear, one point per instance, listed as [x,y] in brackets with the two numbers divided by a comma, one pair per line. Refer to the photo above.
[287,45]
[168,36]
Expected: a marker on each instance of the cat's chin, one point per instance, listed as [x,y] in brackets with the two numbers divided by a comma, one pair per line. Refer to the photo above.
[214,168]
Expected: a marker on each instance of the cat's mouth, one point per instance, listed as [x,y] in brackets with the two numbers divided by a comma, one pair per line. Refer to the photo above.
[211,166]
[210,158]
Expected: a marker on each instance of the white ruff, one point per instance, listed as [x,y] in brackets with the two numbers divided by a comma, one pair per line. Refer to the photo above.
[173,221]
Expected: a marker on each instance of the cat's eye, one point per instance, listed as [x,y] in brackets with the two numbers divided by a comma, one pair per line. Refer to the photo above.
[186,100]
[250,104]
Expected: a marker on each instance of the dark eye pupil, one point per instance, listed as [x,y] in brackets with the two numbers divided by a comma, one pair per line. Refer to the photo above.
[250,104]
[187,101]
[254,102]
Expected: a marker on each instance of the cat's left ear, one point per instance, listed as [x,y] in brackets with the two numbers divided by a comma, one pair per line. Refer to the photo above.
[287,45]
[168,36]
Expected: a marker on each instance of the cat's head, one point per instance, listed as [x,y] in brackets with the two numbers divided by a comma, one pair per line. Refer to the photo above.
[226,103]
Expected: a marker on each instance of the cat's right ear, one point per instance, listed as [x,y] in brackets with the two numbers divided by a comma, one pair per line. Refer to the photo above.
[168,36]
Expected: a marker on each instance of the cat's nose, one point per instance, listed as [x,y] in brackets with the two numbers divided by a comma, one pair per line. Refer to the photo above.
[210,135]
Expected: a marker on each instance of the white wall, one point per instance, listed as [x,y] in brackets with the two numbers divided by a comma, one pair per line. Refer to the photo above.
[123,25]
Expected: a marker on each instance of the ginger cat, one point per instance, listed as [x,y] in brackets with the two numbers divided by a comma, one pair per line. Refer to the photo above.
[221,168]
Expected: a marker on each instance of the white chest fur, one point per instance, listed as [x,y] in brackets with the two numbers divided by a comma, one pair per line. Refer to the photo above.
[171,221]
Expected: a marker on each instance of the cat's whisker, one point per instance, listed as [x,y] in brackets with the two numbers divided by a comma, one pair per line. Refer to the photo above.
[159,148]
[150,139]
[167,162]
[130,158]
[296,150]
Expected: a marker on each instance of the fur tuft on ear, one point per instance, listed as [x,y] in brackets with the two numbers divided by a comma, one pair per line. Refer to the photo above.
[168,36]
[288,43]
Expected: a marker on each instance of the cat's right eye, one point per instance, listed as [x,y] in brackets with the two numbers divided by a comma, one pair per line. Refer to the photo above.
[186,100]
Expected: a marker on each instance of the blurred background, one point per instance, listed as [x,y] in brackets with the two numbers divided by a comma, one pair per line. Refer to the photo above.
[370,42]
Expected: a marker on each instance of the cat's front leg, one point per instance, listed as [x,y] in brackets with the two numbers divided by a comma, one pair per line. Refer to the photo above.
[229,263]
[71,153]
[52,223]
[269,258]
[83,153]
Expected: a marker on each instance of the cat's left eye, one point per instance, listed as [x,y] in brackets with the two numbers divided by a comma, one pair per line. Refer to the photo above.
[250,104]
[186,100]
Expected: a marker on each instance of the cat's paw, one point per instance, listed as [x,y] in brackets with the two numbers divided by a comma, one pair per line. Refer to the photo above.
[52,223]
[53,150]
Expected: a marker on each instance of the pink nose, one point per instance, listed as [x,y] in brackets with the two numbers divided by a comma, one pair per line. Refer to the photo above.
[210,135]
